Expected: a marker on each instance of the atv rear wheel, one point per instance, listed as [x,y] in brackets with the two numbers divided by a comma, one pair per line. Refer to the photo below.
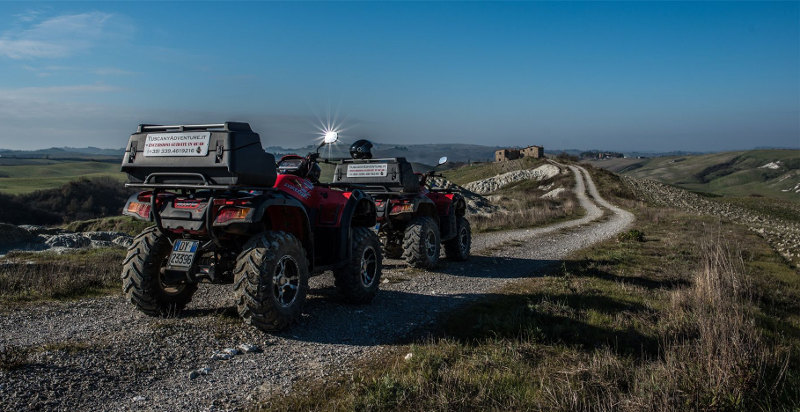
[421,242]
[360,279]
[458,247]
[271,280]
[142,276]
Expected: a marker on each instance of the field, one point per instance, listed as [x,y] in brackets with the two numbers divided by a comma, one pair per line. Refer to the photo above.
[735,174]
[681,312]
[19,176]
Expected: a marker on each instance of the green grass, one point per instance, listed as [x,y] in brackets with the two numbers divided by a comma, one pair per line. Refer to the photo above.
[623,325]
[26,178]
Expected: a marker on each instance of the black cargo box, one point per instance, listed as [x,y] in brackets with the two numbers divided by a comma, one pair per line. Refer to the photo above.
[394,174]
[215,155]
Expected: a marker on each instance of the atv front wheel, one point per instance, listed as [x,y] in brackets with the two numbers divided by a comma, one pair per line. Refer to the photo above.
[360,279]
[458,247]
[421,242]
[271,280]
[142,276]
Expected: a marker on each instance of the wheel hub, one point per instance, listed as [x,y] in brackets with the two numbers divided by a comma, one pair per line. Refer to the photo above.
[430,244]
[286,281]
[369,265]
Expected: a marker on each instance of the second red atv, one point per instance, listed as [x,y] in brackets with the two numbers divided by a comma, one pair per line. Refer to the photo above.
[223,214]
[413,218]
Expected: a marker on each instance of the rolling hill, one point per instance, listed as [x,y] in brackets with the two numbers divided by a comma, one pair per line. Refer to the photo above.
[773,173]
[19,176]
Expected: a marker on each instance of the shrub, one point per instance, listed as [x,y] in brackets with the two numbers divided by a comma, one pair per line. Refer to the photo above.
[633,235]
[78,200]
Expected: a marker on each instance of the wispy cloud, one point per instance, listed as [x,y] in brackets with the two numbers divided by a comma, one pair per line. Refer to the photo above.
[49,70]
[28,16]
[56,37]
[52,92]
[112,71]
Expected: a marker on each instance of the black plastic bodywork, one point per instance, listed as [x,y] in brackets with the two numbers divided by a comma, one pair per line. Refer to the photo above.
[234,158]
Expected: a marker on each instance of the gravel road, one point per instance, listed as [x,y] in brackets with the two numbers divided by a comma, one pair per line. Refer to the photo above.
[100,354]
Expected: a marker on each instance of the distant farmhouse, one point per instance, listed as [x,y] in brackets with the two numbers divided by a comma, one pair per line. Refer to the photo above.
[536,152]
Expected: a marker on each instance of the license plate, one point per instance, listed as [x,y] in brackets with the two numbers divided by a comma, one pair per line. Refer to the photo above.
[183,252]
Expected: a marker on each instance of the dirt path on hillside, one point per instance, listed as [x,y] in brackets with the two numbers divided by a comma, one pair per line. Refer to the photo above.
[101,354]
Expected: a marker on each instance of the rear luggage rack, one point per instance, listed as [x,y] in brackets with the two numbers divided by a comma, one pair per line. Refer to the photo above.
[218,156]
[148,184]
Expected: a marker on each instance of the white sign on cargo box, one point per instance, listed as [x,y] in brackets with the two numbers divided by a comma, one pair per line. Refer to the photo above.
[367,170]
[177,144]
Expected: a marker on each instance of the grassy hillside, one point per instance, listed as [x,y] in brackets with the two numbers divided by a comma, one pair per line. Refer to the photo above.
[728,173]
[18,176]
[680,313]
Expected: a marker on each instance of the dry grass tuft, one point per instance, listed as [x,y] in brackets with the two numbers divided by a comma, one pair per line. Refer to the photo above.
[27,277]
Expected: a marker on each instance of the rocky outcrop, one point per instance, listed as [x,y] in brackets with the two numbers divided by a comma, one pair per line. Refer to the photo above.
[38,238]
[496,182]
[476,204]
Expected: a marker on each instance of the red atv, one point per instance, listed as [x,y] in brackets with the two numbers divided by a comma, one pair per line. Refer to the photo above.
[413,219]
[223,214]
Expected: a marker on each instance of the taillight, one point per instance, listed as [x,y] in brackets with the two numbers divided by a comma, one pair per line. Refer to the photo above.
[139,208]
[402,208]
[232,213]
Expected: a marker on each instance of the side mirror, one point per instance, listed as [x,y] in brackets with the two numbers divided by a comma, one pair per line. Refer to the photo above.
[442,160]
[331,137]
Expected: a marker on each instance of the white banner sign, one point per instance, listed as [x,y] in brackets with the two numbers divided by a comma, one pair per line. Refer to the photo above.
[367,170]
[177,144]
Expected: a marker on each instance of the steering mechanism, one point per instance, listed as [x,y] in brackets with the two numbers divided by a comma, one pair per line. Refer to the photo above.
[423,181]
[307,166]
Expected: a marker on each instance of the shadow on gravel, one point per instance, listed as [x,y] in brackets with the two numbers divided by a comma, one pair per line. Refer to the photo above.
[497,267]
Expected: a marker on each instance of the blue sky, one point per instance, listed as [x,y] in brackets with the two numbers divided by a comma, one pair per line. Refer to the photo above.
[645,76]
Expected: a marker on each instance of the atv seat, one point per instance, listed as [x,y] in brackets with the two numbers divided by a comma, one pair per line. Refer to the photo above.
[378,175]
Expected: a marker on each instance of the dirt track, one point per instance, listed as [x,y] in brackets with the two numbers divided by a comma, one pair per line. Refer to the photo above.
[103,355]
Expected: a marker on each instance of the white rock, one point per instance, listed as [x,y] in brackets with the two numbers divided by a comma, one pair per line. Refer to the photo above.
[554,193]
[496,182]
[221,356]
[248,348]
[139,398]
[408,356]
[231,351]
[197,372]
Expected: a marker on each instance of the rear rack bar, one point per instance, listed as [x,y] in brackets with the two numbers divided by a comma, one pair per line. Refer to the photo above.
[147,183]
[183,186]
[227,126]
